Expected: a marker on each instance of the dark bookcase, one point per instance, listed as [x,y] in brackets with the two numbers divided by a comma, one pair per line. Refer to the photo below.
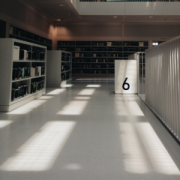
[96,58]
[18,33]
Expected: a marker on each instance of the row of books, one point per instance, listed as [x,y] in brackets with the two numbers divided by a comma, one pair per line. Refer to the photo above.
[94,66]
[64,77]
[19,91]
[22,90]
[37,71]
[37,86]
[20,73]
[93,71]
[94,60]
[14,31]
[97,55]
[23,54]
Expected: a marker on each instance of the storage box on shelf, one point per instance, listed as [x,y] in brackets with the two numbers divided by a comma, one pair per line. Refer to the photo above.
[86,53]
[59,68]
[22,63]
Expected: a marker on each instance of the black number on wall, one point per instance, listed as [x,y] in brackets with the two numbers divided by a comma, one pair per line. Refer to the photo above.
[125,85]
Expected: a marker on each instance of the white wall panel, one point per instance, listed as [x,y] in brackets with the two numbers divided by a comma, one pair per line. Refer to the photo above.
[163,83]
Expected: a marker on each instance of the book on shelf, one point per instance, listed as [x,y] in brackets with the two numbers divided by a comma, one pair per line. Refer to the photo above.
[22,72]
[11,30]
[39,70]
[16,53]
[78,49]
[32,72]
[76,54]
[141,44]
[25,54]
[94,55]
[109,43]
[36,71]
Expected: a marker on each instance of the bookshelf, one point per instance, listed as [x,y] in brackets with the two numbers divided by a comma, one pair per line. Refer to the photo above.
[18,33]
[96,58]
[23,72]
[59,68]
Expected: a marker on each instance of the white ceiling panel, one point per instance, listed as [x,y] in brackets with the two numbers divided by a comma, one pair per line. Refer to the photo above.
[106,12]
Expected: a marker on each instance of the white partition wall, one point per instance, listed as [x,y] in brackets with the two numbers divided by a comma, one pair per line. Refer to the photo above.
[163,83]
[140,58]
[125,76]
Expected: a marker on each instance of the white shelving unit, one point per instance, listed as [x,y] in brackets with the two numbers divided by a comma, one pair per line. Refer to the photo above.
[8,62]
[59,68]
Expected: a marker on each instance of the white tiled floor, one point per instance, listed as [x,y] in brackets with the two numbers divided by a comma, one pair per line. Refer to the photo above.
[86,132]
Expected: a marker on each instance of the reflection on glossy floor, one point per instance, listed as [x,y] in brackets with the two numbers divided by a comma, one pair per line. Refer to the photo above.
[84,131]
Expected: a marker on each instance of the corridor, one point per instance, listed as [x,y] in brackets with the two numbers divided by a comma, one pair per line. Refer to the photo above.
[83,131]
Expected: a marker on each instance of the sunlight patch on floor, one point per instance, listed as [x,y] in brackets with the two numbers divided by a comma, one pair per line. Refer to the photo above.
[73,108]
[128,108]
[158,155]
[41,150]
[4,123]
[134,160]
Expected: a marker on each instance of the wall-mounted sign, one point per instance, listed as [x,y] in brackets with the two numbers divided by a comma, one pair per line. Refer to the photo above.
[125,76]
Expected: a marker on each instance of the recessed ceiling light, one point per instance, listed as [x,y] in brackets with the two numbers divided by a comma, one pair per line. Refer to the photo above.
[62,5]
[58,19]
